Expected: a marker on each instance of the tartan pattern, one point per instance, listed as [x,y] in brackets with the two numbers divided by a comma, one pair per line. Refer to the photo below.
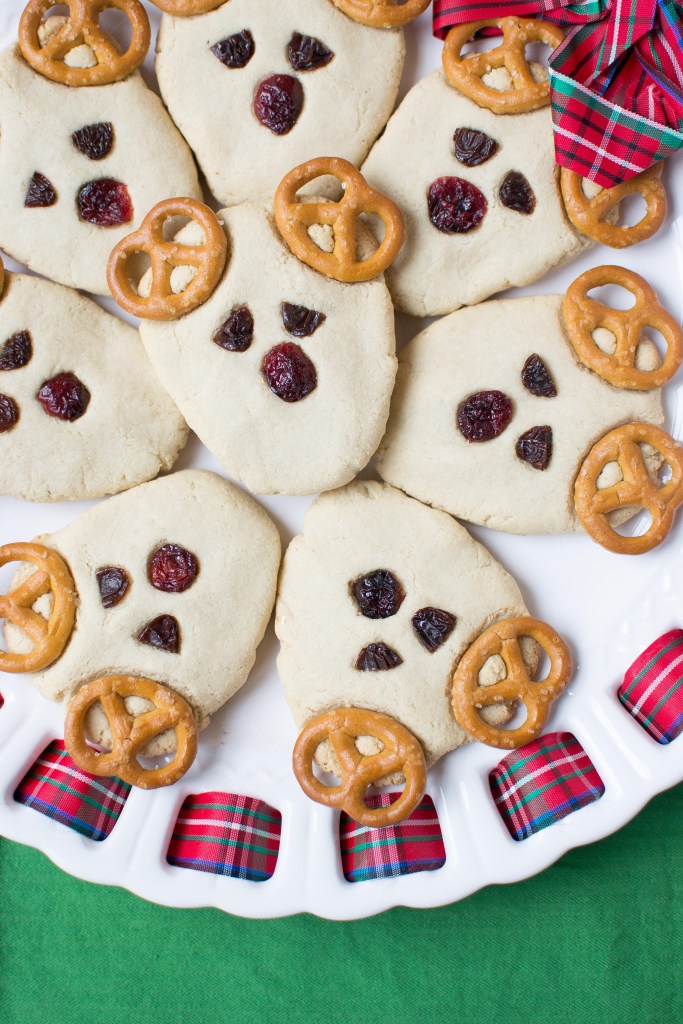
[543,782]
[652,690]
[55,786]
[226,834]
[616,82]
[415,844]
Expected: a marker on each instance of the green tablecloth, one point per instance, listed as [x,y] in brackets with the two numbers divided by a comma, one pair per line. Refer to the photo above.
[598,937]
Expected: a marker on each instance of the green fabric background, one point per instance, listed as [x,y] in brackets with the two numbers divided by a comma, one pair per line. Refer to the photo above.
[597,937]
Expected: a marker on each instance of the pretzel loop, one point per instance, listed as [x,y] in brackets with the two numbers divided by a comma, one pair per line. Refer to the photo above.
[589,216]
[503,639]
[187,8]
[382,13]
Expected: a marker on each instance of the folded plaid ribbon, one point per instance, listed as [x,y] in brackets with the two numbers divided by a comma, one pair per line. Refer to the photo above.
[616,81]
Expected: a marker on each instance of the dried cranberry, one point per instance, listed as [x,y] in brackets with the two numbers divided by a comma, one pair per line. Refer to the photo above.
[237,332]
[235,51]
[537,379]
[535,446]
[517,194]
[162,632]
[378,594]
[278,101]
[113,583]
[64,396]
[306,53]
[433,627]
[94,140]
[301,321]
[40,191]
[105,202]
[289,372]
[473,147]
[173,569]
[455,205]
[378,658]
[9,413]
[16,352]
[484,415]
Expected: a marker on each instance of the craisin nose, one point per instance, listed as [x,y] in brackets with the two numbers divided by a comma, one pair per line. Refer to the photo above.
[278,100]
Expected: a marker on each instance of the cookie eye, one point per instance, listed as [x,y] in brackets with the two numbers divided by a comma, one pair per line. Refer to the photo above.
[40,191]
[472,147]
[113,583]
[9,413]
[306,53]
[94,140]
[517,194]
[300,320]
[16,351]
[537,378]
[237,332]
[235,51]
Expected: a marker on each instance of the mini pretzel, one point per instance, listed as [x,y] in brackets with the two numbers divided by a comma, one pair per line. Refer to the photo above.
[382,13]
[131,734]
[402,753]
[584,315]
[593,505]
[49,636]
[467,72]
[503,639]
[82,27]
[294,217]
[589,216]
[208,259]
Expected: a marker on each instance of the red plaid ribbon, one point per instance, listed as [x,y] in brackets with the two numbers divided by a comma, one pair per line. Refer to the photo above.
[652,690]
[415,844]
[616,81]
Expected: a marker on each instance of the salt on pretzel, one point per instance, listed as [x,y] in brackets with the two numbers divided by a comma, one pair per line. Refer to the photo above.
[635,490]
[589,215]
[131,734]
[382,13]
[294,216]
[82,27]
[467,72]
[584,315]
[401,753]
[503,639]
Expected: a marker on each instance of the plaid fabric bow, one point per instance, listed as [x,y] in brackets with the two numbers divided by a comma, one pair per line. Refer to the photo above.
[616,81]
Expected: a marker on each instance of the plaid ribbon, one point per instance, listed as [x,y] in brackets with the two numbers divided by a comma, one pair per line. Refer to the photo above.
[226,834]
[543,782]
[415,844]
[652,690]
[616,81]
[55,786]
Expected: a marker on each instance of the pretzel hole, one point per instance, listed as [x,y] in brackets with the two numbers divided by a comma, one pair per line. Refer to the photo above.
[159,750]
[652,349]
[536,54]
[116,25]
[138,271]
[482,43]
[614,296]
[12,638]
[630,211]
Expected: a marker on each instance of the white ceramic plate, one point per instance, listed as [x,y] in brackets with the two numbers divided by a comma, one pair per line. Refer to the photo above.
[608,607]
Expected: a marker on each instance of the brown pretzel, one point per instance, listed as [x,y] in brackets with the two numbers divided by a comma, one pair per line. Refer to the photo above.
[187,8]
[401,753]
[467,72]
[503,639]
[589,215]
[131,734]
[382,13]
[636,489]
[583,316]
[83,27]
[208,259]
[294,217]
[49,636]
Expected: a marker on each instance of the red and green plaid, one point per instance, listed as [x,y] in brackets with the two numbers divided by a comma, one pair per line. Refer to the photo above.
[543,782]
[226,834]
[55,786]
[415,844]
[652,690]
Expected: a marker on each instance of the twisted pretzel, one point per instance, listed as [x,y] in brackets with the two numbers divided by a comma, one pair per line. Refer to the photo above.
[583,316]
[131,734]
[382,13]
[187,8]
[49,636]
[208,259]
[294,217]
[503,639]
[589,215]
[82,27]
[593,505]
[467,73]
[402,753]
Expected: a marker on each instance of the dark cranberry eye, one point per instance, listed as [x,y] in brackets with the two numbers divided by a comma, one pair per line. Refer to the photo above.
[235,51]
[64,396]
[9,413]
[289,372]
[484,415]
[94,140]
[535,446]
[472,147]
[113,583]
[237,332]
[306,53]
[433,627]
[455,206]
[16,352]
[378,658]
[105,202]
[378,594]
[40,191]
[537,378]
[163,633]
[301,321]
[173,569]
[278,101]
[517,194]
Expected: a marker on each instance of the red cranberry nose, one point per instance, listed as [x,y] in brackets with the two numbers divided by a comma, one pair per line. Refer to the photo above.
[278,101]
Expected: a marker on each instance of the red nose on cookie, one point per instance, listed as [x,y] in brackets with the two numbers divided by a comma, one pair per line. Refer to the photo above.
[278,101]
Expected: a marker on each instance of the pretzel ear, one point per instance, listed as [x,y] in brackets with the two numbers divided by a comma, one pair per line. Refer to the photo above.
[382,13]
[591,215]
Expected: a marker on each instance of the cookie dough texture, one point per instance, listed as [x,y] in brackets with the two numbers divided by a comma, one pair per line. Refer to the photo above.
[273,446]
[130,431]
[346,103]
[348,533]
[37,119]
[437,272]
[484,348]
